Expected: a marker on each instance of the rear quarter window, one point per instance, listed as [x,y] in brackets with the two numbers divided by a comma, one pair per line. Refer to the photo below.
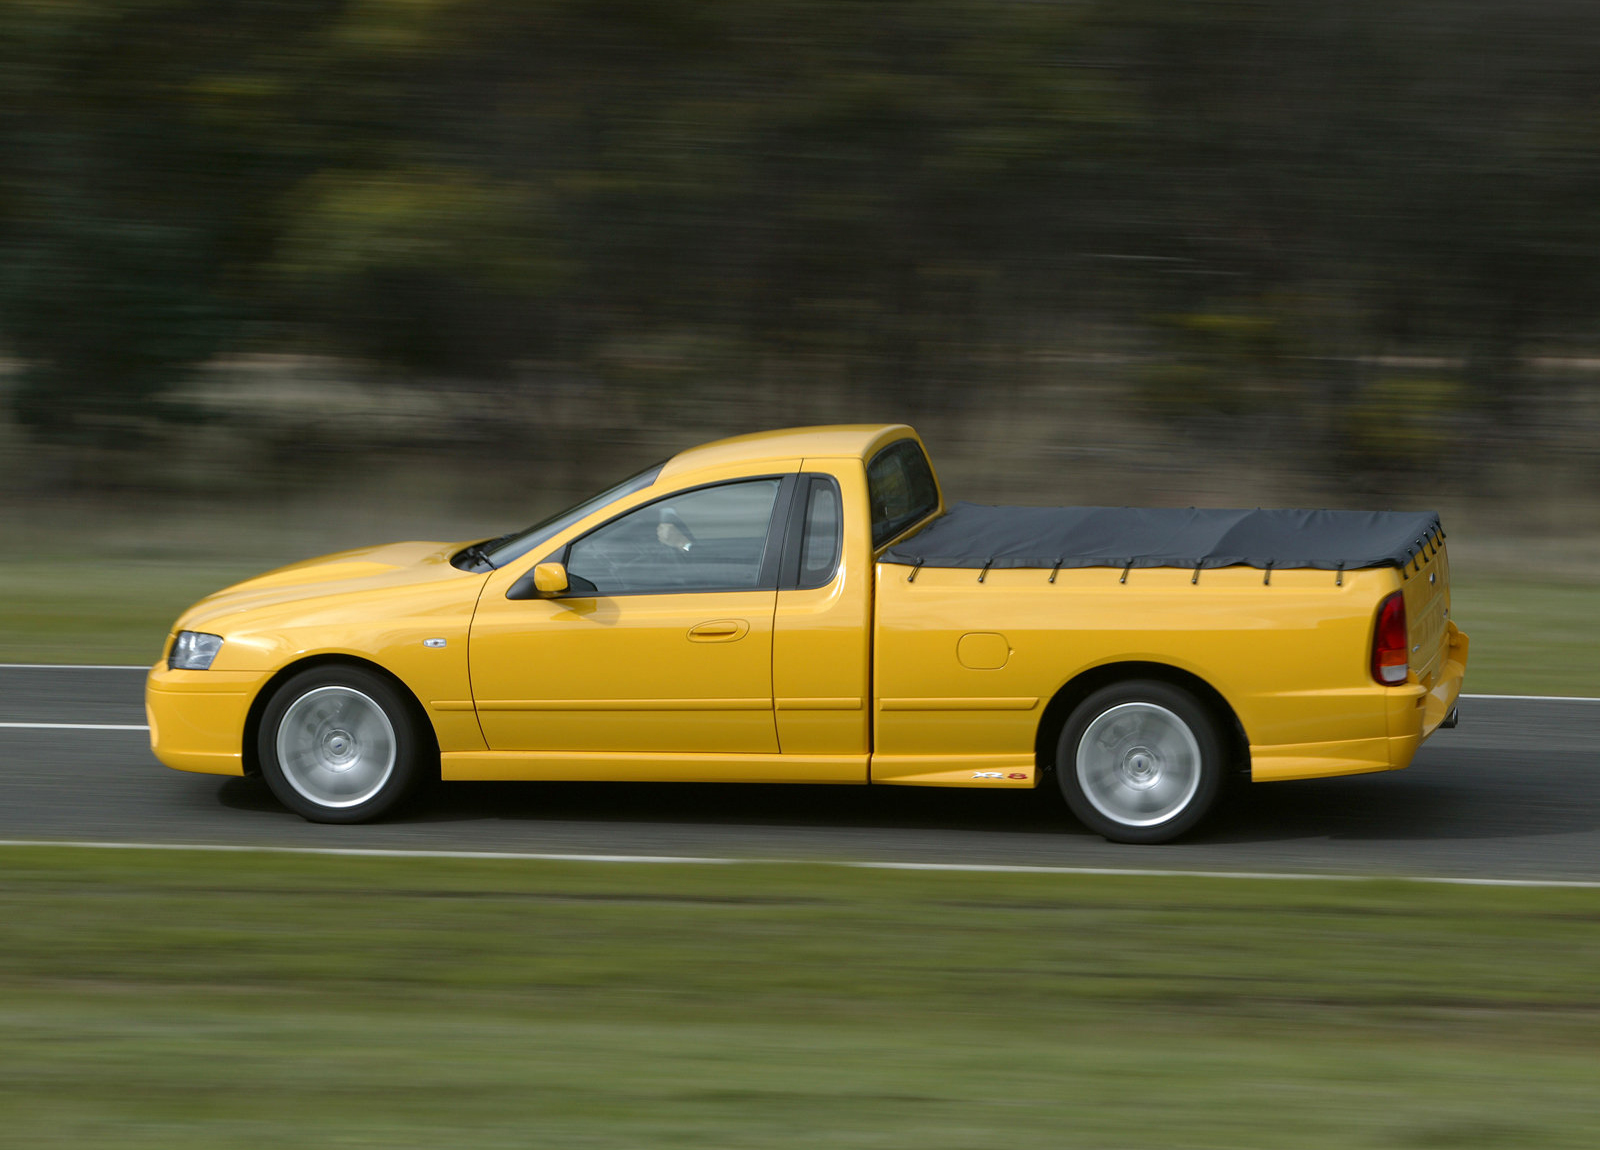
[901,488]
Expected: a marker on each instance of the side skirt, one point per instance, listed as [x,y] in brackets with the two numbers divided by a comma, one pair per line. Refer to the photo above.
[660,767]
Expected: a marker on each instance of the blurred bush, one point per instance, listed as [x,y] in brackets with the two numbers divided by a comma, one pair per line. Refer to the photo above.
[879,208]
[1408,417]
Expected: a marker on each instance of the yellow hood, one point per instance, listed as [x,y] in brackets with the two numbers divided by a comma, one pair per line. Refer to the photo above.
[364,570]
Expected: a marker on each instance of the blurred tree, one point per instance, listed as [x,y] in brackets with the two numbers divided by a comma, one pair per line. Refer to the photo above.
[894,194]
[142,143]
[1426,169]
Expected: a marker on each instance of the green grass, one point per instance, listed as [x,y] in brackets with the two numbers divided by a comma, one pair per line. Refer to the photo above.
[108,612]
[1530,638]
[159,1000]
[1527,638]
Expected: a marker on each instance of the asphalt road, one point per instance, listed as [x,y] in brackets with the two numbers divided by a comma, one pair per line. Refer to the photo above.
[1513,792]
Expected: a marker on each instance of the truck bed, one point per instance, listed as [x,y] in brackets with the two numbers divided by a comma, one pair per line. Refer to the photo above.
[1273,610]
[976,535]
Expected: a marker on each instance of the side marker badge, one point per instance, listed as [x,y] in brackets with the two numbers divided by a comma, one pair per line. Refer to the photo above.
[433,642]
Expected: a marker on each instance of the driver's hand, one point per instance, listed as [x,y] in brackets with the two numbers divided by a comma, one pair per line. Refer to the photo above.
[670,535]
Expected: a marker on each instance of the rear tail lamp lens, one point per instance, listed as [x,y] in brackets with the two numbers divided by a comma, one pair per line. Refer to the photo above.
[1389,658]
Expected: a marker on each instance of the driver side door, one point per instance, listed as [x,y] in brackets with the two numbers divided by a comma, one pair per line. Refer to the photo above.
[662,643]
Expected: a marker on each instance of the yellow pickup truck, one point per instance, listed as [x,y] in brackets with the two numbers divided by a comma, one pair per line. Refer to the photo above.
[802,606]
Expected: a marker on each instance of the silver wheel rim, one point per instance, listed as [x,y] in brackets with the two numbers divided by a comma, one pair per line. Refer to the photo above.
[1138,764]
[336,746]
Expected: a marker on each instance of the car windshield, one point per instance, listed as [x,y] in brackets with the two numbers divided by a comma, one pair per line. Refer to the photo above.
[503,550]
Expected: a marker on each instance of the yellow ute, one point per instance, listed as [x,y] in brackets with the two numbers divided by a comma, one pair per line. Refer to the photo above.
[801,606]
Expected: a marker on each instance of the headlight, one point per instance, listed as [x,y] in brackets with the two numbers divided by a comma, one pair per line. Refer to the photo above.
[194,651]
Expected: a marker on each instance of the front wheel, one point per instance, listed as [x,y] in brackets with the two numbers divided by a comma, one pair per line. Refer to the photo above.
[1140,761]
[339,745]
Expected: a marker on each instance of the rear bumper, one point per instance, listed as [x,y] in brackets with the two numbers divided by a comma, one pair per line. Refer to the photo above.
[1412,712]
[1441,700]
[197,718]
[1325,760]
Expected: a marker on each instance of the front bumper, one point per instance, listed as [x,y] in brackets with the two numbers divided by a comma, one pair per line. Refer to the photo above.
[197,718]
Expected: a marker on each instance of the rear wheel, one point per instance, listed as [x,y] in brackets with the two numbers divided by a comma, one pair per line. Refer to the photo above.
[340,745]
[1140,761]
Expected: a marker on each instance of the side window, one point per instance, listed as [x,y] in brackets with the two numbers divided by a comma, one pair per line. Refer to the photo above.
[901,488]
[819,544]
[713,539]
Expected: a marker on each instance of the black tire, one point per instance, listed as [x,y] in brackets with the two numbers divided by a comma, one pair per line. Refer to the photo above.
[1141,761]
[341,744]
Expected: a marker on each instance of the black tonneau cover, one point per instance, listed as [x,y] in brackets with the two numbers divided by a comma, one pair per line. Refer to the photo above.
[973,535]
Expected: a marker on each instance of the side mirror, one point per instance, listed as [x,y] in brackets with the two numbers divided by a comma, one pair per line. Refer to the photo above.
[550,578]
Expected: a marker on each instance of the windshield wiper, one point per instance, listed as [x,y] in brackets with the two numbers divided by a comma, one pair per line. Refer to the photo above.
[478,555]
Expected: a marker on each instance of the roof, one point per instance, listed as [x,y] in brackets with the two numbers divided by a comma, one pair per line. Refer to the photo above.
[848,440]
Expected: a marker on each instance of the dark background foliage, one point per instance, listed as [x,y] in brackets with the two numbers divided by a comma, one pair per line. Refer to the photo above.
[1329,230]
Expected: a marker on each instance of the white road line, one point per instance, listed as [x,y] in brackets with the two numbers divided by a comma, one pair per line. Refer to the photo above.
[371,852]
[1272,876]
[142,668]
[679,860]
[70,667]
[143,727]
[75,726]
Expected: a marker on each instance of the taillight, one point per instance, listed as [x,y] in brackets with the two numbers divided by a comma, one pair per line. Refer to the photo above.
[1389,658]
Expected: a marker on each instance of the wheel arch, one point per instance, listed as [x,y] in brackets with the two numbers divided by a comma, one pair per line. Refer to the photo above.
[1081,686]
[258,705]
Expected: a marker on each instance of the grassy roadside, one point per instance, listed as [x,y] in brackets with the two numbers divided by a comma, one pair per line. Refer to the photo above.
[1527,637]
[149,999]
[1530,638]
[110,612]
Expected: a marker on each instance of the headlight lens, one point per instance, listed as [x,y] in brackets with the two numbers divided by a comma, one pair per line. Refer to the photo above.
[194,651]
